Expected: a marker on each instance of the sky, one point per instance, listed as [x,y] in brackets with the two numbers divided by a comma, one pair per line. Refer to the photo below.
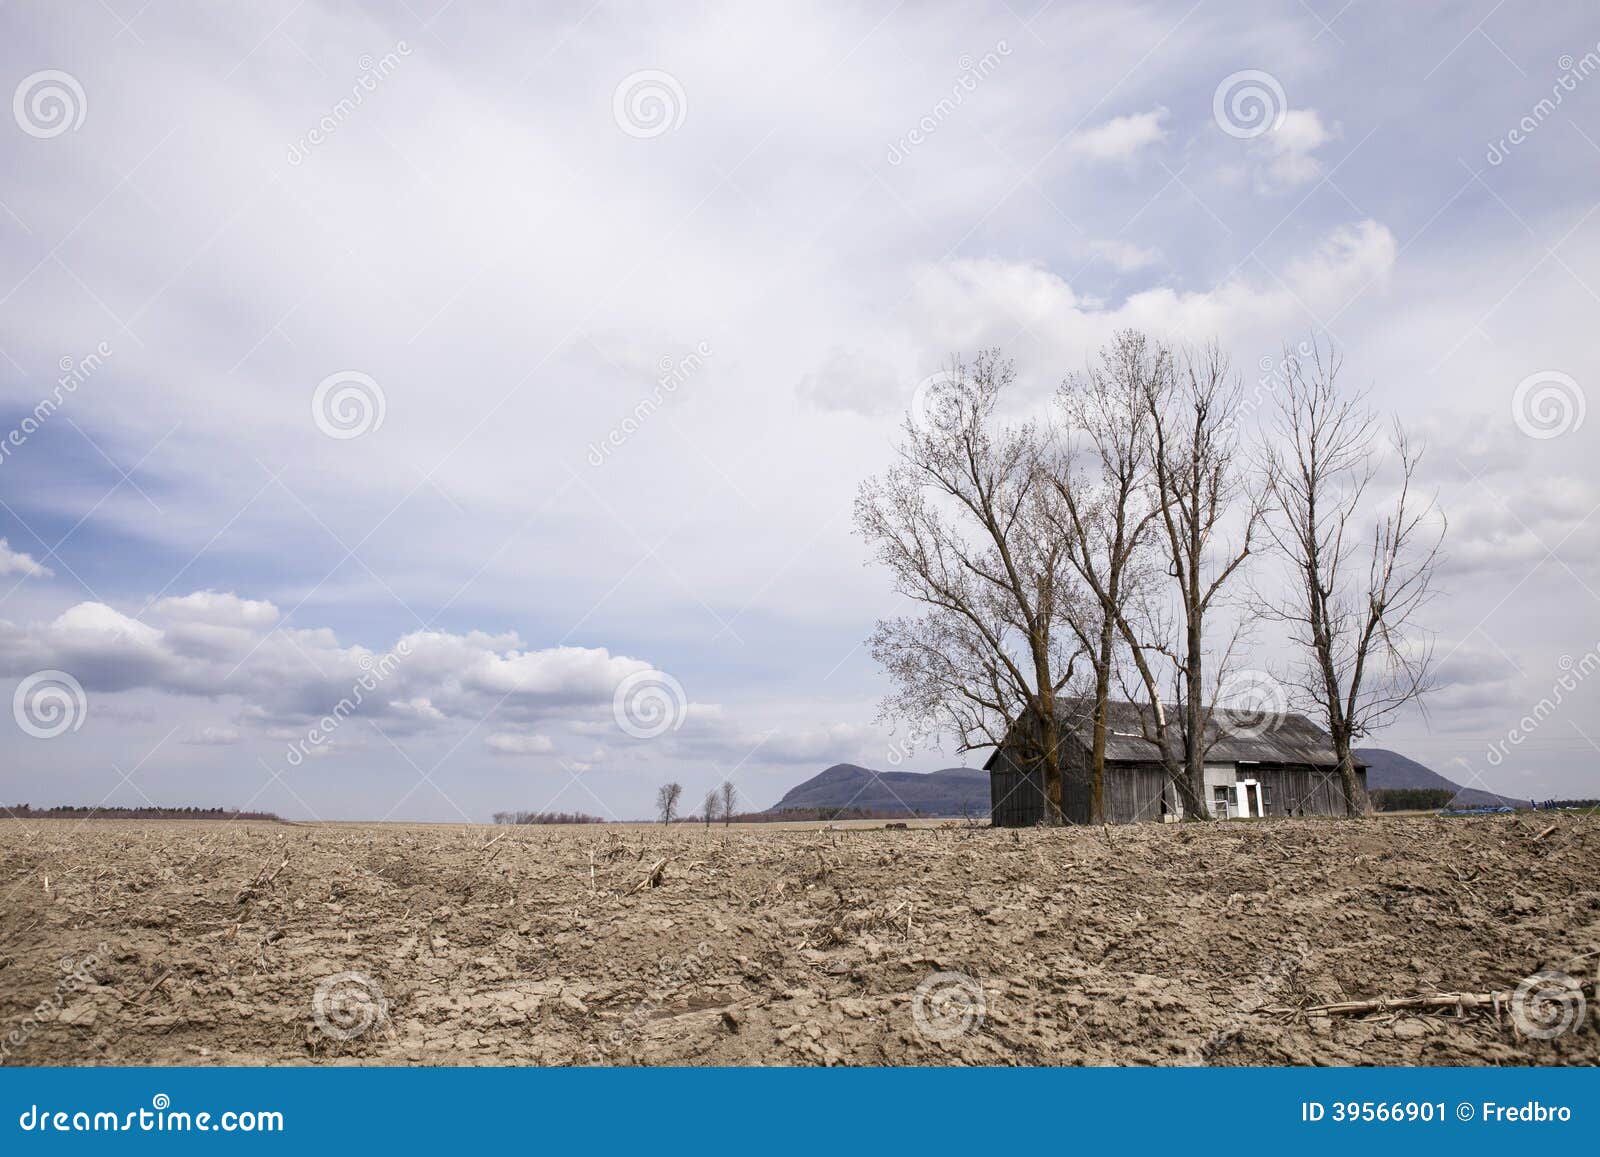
[513,372]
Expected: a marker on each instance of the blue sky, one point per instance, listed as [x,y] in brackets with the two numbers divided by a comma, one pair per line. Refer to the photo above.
[722,244]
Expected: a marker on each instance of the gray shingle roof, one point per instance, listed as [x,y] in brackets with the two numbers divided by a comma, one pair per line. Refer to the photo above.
[1234,736]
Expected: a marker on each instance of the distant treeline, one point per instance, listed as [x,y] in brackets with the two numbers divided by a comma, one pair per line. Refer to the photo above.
[1551,804]
[1411,799]
[70,812]
[546,818]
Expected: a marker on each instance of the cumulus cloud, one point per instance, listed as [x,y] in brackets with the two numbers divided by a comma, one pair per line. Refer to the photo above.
[975,302]
[210,645]
[1292,146]
[17,562]
[1120,138]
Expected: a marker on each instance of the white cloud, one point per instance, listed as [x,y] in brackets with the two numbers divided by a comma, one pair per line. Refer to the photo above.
[1293,144]
[1121,138]
[17,562]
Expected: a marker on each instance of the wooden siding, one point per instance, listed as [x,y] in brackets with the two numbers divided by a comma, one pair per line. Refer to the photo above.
[1133,791]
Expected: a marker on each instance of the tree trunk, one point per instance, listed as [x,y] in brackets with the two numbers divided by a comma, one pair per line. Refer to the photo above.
[1355,796]
[1102,701]
[1194,718]
[1050,766]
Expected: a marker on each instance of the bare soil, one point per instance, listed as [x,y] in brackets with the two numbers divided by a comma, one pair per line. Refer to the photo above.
[156,942]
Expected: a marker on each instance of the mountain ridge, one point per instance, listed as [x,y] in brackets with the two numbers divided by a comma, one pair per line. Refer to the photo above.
[964,791]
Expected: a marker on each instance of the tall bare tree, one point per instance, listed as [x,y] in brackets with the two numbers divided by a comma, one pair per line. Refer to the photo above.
[962,523]
[730,799]
[709,807]
[1208,522]
[667,797]
[1106,503]
[1357,595]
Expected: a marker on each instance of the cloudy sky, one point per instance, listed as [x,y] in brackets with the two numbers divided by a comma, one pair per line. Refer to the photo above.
[489,360]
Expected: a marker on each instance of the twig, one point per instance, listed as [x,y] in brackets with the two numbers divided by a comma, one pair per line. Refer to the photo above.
[653,877]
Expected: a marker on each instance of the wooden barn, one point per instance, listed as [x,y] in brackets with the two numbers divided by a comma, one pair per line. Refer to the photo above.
[1285,768]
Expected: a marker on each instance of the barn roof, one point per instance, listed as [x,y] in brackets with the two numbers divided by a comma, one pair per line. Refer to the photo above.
[1233,736]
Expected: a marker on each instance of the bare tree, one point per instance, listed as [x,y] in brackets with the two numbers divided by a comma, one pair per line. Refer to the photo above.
[1108,512]
[962,522]
[708,809]
[667,797]
[730,798]
[1356,597]
[1199,484]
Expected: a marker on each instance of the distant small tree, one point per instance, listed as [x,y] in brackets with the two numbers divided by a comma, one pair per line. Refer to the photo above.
[730,798]
[710,806]
[667,798]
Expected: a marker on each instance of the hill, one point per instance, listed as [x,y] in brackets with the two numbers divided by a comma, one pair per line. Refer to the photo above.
[963,791]
[1391,769]
[954,791]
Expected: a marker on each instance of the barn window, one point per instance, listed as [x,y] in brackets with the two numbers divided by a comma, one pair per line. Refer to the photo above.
[1266,800]
[1219,801]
